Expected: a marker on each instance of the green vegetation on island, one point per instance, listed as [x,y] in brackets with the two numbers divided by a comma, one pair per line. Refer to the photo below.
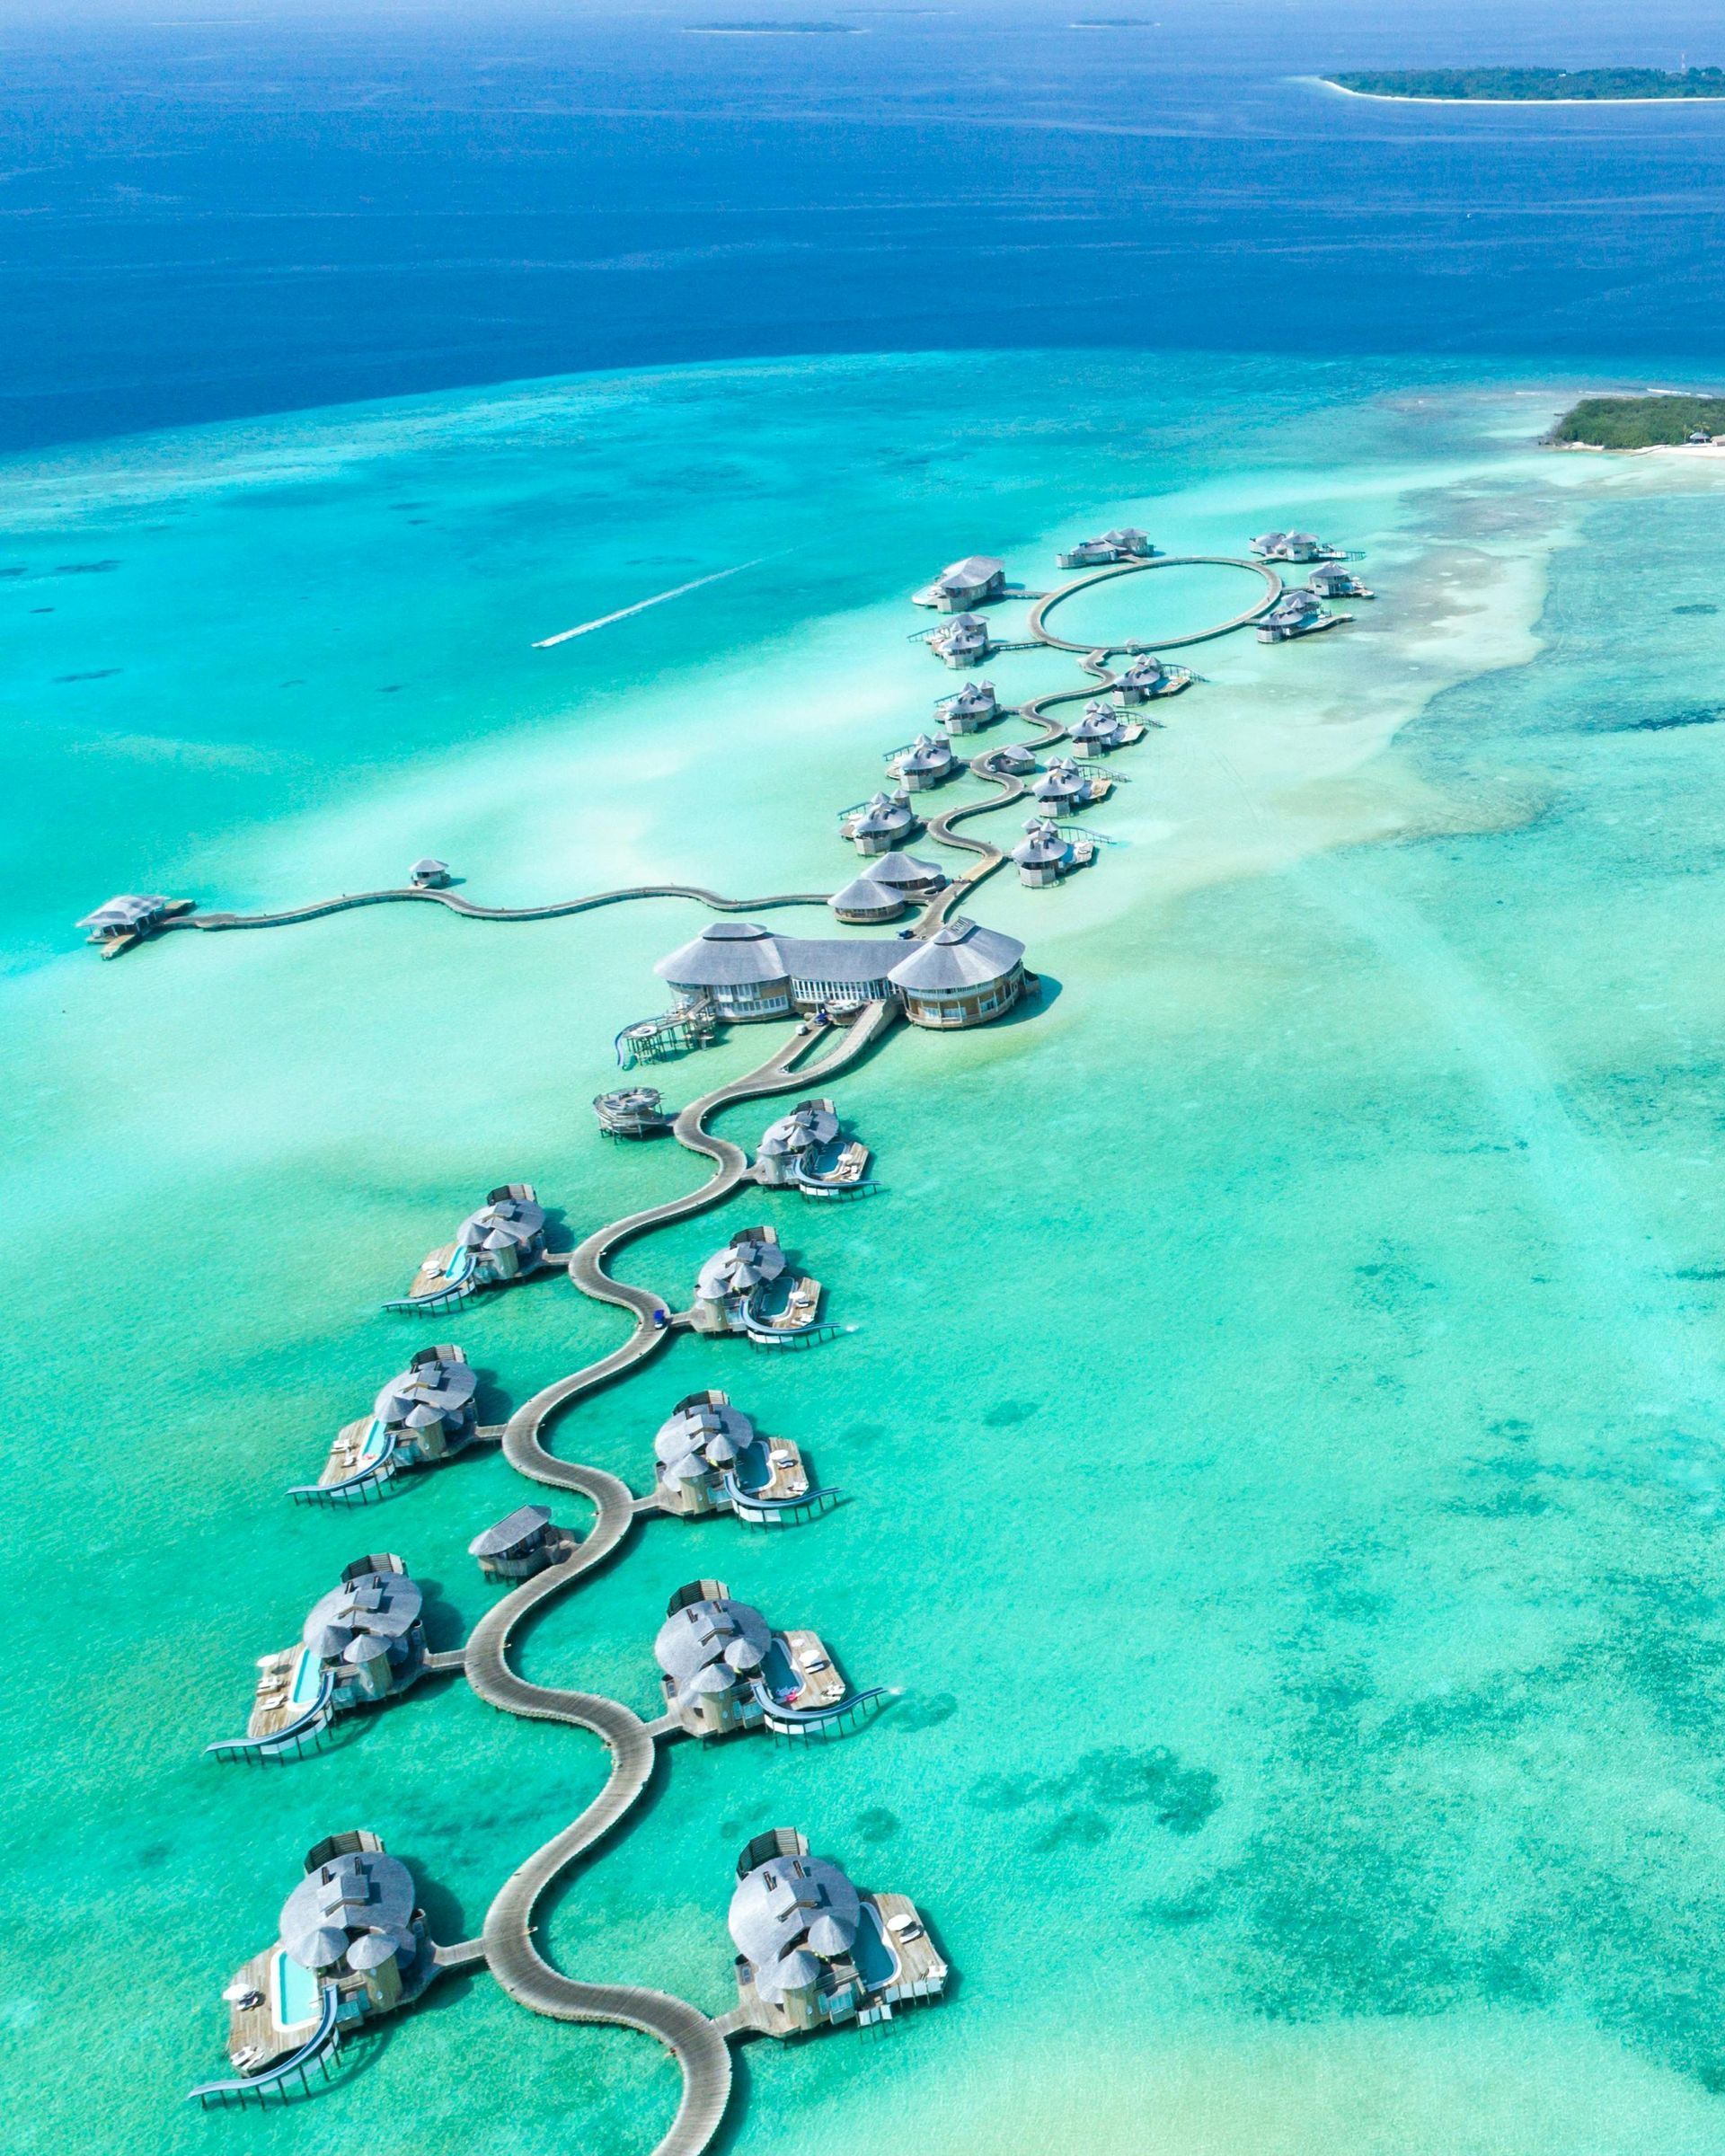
[1536,86]
[1638,422]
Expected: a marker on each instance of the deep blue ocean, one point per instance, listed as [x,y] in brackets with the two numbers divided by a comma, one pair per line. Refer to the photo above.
[209,209]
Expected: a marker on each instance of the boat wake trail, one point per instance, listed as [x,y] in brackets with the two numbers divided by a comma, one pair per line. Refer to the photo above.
[640,605]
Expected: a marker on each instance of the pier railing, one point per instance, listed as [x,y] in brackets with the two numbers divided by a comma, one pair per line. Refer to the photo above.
[364,1485]
[293,1742]
[811,1337]
[290,2076]
[802,1724]
[756,1510]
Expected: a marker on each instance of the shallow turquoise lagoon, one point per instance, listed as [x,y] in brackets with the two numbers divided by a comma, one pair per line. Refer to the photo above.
[1277,1395]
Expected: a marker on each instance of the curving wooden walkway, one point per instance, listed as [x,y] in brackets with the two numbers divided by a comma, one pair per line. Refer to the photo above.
[455,903]
[1038,620]
[695,2042]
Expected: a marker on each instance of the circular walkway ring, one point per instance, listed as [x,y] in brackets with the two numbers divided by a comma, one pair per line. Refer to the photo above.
[1044,607]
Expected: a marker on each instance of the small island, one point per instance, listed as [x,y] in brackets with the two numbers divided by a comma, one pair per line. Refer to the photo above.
[1533,85]
[1645,422]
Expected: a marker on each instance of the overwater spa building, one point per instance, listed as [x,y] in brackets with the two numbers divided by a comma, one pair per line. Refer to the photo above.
[889,884]
[960,976]
[811,1950]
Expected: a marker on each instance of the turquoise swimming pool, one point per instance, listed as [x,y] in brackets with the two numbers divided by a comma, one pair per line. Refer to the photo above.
[776,1672]
[876,1962]
[308,1674]
[294,1992]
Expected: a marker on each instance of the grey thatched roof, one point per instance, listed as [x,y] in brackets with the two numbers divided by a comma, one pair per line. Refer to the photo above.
[774,1905]
[511,1531]
[726,954]
[960,955]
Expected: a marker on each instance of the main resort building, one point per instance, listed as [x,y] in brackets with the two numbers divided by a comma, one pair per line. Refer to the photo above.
[960,976]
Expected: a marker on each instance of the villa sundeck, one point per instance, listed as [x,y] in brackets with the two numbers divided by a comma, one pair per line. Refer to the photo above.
[502,1242]
[812,1951]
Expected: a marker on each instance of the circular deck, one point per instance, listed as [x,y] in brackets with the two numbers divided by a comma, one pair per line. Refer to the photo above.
[1044,607]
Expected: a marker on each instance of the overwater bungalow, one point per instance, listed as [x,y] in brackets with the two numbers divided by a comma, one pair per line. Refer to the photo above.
[881,821]
[426,1414]
[1294,613]
[968,709]
[972,582]
[749,1287]
[1296,546]
[963,642]
[927,761]
[503,1241]
[808,1151]
[811,1950]
[722,1668]
[129,919]
[429,874]
[362,1643]
[632,1111]
[1126,544]
[521,1544]
[1066,786]
[1334,580]
[1046,853]
[1147,677]
[709,1457]
[1102,727]
[351,1945]
[960,976]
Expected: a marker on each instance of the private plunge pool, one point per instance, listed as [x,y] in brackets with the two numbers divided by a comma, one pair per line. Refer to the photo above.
[294,1999]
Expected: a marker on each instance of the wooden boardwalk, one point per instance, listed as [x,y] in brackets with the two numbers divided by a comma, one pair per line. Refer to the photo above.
[507,1946]
[1045,606]
[453,902]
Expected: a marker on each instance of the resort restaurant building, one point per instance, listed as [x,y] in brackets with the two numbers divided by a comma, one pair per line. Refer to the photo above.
[961,976]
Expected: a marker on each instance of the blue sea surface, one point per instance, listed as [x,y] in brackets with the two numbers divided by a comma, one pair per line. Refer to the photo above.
[222,210]
[1275,1390]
